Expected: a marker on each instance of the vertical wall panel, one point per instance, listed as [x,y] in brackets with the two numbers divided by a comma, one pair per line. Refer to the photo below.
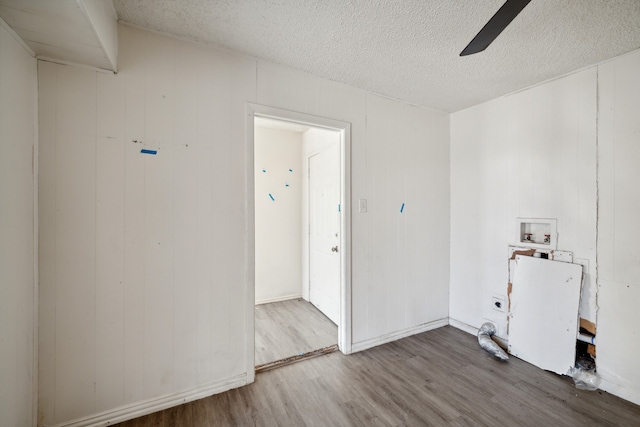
[158,216]
[18,104]
[204,112]
[234,85]
[618,227]
[185,189]
[110,274]
[47,89]
[132,77]
[75,243]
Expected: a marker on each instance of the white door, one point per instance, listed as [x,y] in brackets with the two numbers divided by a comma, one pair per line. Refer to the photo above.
[324,232]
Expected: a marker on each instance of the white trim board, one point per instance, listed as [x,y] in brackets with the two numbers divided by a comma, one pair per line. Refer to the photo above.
[463,326]
[394,336]
[150,406]
[279,299]
[624,391]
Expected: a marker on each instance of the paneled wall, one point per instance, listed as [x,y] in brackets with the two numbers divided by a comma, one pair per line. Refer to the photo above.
[567,149]
[145,258]
[143,266]
[403,238]
[278,229]
[618,225]
[18,160]
[531,154]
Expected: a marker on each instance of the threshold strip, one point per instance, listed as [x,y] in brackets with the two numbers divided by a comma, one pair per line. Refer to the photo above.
[297,358]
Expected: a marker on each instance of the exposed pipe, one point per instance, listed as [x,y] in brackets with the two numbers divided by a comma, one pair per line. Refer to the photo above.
[587,338]
[485,333]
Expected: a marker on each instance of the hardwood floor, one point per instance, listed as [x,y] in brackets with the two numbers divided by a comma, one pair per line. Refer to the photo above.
[289,328]
[437,378]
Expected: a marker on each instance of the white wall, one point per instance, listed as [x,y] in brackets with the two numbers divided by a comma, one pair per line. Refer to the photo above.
[531,154]
[145,266]
[278,222]
[400,259]
[18,158]
[314,140]
[618,226]
[567,149]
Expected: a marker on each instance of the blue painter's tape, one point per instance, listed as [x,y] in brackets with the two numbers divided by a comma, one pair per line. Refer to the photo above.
[338,207]
[401,208]
[290,170]
[144,151]
[271,195]
[264,171]
[286,185]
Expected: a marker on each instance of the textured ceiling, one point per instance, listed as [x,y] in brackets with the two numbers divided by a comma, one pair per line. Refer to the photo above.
[405,49]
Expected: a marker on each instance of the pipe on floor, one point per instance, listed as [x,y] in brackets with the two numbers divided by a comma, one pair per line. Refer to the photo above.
[487,330]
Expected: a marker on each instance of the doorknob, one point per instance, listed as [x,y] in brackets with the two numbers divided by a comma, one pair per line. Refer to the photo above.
[334,249]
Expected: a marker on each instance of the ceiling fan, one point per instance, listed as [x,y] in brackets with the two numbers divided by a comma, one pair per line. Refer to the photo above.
[495,26]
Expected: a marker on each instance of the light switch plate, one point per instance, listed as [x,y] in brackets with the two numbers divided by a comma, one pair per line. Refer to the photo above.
[362,205]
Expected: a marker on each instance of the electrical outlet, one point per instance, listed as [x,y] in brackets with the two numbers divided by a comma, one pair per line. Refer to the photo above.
[362,205]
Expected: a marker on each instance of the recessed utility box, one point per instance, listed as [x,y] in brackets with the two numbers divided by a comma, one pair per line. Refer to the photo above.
[498,303]
[537,233]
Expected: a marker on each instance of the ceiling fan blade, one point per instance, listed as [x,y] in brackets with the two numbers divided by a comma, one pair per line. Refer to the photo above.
[494,27]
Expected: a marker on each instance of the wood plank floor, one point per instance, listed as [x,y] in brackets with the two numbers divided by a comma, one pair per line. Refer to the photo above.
[437,378]
[289,328]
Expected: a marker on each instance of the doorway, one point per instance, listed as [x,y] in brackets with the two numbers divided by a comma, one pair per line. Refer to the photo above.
[319,181]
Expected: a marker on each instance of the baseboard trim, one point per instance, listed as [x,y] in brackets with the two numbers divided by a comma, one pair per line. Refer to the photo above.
[394,336]
[463,326]
[626,392]
[154,405]
[278,299]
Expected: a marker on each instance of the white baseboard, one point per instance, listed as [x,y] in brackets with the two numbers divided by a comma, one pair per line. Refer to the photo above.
[393,336]
[463,326]
[278,299]
[627,392]
[146,407]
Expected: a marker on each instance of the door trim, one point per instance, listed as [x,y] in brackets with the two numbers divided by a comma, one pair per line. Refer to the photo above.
[344,128]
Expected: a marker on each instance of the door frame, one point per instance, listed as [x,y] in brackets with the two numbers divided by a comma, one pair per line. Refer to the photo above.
[344,128]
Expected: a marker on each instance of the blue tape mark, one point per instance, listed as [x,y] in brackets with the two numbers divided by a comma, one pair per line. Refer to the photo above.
[271,195]
[264,171]
[144,151]
[290,170]
[286,185]
[338,207]
[401,208]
